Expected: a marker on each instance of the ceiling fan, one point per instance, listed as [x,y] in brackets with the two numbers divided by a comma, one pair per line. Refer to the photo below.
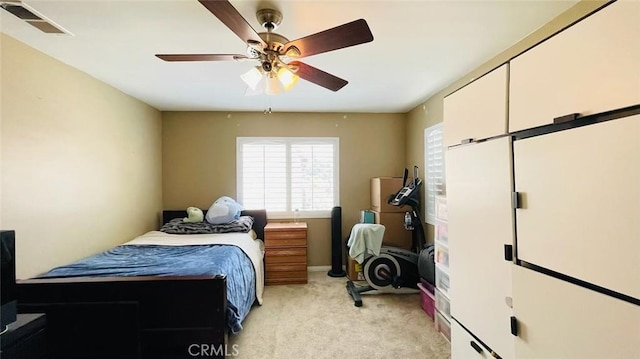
[273,50]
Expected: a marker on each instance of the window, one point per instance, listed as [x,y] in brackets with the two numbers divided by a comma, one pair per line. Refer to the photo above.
[435,171]
[286,174]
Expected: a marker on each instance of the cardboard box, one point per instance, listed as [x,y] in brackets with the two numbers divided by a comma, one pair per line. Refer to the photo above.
[381,189]
[394,234]
[354,269]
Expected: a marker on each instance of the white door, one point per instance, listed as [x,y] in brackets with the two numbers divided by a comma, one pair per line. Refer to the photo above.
[581,203]
[588,68]
[561,320]
[478,110]
[480,224]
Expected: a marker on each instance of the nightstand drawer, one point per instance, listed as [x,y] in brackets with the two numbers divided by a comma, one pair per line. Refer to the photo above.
[300,275]
[285,260]
[276,281]
[286,255]
[285,239]
[279,269]
[273,243]
[283,276]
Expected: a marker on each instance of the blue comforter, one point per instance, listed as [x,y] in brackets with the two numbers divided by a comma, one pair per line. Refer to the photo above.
[158,260]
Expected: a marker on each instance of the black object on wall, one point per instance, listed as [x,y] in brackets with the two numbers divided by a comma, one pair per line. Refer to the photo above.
[336,244]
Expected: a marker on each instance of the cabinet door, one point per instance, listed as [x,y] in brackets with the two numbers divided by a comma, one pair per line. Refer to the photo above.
[464,346]
[480,224]
[478,110]
[589,68]
[557,319]
[580,191]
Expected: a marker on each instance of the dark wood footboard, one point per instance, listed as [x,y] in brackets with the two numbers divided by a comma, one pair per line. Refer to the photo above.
[130,317]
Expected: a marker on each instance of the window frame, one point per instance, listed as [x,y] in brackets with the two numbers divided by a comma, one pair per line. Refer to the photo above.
[288,141]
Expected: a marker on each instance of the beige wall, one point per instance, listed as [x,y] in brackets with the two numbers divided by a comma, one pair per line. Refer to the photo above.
[81,161]
[430,112]
[199,162]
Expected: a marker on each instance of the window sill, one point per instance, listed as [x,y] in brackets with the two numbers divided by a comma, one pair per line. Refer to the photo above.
[301,215]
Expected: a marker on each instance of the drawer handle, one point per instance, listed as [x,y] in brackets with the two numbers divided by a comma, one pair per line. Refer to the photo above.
[475,347]
[566,118]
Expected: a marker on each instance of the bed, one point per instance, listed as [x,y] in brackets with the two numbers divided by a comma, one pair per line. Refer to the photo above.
[169,304]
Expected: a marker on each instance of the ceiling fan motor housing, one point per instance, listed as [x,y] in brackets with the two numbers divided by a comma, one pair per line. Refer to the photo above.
[270,19]
[270,55]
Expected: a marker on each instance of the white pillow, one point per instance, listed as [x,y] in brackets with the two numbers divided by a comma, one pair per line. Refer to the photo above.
[223,210]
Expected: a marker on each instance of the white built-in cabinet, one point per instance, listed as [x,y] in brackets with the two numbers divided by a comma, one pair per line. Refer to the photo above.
[463,345]
[591,67]
[580,192]
[566,197]
[478,110]
[480,218]
[561,320]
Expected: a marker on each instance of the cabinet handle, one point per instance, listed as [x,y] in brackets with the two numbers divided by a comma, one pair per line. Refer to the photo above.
[475,347]
[508,252]
[514,326]
[466,140]
[566,118]
[516,200]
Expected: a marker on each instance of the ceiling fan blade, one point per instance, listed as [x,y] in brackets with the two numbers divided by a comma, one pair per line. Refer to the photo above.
[317,76]
[229,16]
[201,57]
[349,34]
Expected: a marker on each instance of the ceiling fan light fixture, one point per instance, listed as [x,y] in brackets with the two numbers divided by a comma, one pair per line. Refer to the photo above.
[292,51]
[252,77]
[287,78]
[273,86]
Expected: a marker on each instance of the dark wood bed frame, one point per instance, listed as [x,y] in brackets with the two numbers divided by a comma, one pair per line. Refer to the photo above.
[134,317]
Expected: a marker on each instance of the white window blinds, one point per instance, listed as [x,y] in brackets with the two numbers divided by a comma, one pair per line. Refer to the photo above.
[435,170]
[312,176]
[287,174]
[264,176]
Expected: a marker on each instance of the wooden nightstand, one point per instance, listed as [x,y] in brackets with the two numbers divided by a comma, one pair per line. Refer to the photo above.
[286,253]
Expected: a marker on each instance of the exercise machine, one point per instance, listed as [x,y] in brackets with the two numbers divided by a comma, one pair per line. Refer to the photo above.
[396,267]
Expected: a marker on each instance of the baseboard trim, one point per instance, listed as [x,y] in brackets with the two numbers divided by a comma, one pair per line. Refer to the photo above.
[318,268]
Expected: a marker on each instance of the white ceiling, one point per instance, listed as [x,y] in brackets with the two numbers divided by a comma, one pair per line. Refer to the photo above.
[419,47]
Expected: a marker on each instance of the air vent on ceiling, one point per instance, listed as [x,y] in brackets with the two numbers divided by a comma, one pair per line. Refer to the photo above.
[31,17]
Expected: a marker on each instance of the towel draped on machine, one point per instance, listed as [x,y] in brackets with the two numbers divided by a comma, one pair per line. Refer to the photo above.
[365,240]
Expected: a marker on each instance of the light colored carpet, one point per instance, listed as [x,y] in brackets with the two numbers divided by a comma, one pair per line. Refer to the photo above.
[318,320]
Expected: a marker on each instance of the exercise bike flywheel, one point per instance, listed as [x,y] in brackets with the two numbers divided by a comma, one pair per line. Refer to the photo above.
[381,271]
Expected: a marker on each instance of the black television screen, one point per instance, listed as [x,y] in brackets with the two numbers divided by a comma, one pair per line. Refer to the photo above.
[7,278]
